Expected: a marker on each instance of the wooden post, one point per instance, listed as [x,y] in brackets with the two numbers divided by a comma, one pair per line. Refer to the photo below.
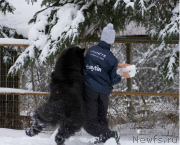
[129,81]
[129,61]
[19,100]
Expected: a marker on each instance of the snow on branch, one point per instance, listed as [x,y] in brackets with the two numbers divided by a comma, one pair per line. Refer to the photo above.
[59,26]
[170,29]
[64,27]
[27,55]
[170,66]
[142,5]
[28,1]
[5,6]
[128,3]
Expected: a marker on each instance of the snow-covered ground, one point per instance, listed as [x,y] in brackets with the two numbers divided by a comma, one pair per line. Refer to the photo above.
[18,137]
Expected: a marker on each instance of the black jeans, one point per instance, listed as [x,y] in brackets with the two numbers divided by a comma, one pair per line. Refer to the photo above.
[95,111]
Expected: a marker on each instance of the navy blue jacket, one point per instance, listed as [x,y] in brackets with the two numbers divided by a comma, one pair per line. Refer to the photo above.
[100,67]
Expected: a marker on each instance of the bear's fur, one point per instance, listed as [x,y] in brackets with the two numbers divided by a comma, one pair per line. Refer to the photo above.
[65,104]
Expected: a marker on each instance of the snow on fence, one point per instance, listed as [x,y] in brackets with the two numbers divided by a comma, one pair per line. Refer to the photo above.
[13,91]
[14,42]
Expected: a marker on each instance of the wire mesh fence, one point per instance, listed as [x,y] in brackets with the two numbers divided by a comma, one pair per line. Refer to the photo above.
[144,115]
[16,111]
[130,115]
[158,116]
[8,103]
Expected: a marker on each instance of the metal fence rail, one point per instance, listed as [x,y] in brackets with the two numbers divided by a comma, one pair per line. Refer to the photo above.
[115,93]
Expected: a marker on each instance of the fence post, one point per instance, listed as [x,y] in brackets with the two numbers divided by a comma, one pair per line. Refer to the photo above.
[129,61]
[129,81]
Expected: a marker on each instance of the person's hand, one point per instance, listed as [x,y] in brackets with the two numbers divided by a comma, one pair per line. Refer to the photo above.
[126,74]
[123,65]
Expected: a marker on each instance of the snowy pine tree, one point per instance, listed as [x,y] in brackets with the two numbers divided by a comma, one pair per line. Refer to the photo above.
[65,22]
[161,18]
[8,53]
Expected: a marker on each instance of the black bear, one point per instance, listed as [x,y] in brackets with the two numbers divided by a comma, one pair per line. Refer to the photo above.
[65,104]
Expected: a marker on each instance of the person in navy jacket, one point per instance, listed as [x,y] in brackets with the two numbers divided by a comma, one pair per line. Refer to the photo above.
[99,72]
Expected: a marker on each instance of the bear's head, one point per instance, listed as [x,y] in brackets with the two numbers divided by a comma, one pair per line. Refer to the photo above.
[71,58]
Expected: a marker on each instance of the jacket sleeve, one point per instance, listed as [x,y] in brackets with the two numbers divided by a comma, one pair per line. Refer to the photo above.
[114,77]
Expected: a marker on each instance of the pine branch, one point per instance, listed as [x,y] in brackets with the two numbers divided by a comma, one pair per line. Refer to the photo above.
[6,7]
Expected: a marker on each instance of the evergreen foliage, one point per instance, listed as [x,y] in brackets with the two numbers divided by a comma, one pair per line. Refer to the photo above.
[9,53]
[64,22]
[169,68]
[28,1]
[5,6]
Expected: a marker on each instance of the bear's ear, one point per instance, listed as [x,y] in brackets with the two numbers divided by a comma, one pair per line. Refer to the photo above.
[82,50]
